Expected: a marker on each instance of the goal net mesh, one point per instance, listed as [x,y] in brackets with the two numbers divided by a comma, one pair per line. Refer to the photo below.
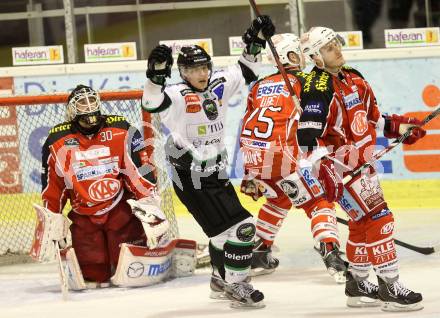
[24,125]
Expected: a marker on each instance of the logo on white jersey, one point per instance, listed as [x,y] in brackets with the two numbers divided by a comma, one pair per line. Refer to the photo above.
[205,130]
[104,189]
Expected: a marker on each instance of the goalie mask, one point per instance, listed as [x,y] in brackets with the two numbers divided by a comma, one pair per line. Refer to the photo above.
[315,39]
[195,67]
[286,43]
[84,110]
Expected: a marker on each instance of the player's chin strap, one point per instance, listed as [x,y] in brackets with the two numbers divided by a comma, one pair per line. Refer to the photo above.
[154,221]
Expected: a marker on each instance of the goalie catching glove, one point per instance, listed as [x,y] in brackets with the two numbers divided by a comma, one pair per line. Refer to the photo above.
[154,221]
[50,227]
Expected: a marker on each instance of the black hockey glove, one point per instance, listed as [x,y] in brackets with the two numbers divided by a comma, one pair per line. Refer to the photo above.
[160,62]
[254,37]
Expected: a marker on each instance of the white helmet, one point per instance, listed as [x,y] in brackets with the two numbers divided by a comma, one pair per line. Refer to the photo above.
[286,43]
[87,98]
[315,39]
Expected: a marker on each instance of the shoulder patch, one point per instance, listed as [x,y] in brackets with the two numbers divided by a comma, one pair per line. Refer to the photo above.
[60,127]
[185,91]
[59,131]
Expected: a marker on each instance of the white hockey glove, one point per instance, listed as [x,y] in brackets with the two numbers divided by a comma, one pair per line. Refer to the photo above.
[154,221]
[50,227]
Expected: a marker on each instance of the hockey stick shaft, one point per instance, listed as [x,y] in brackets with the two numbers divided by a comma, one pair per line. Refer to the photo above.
[418,249]
[63,278]
[382,152]
[279,65]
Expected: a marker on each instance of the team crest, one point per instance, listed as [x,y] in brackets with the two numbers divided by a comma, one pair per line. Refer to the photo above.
[210,109]
[290,188]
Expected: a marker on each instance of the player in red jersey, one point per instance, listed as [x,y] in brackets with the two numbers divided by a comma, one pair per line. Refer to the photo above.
[270,149]
[343,135]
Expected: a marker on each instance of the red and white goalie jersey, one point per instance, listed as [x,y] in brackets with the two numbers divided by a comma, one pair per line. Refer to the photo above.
[95,171]
[268,136]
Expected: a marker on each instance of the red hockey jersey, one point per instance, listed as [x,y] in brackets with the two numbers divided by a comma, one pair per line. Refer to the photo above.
[94,172]
[268,136]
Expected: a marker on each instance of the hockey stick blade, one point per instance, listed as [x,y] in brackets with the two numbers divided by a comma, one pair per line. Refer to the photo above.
[395,143]
[418,249]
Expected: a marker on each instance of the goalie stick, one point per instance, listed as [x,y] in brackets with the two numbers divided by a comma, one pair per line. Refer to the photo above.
[418,249]
[63,278]
[382,152]
[279,65]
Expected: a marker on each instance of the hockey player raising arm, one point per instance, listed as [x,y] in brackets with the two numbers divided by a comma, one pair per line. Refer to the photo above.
[270,149]
[195,112]
[94,161]
[341,113]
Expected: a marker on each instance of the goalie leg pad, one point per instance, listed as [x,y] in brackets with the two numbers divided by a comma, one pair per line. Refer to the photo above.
[140,266]
[184,258]
[71,268]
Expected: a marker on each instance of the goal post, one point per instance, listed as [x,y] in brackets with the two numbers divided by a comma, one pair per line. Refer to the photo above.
[24,125]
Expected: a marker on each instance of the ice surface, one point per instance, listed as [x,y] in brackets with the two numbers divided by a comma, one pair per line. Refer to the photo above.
[300,288]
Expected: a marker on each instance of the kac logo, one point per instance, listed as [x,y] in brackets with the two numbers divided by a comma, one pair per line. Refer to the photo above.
[104,189]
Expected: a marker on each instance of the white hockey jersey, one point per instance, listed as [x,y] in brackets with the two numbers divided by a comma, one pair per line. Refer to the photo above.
[197,120]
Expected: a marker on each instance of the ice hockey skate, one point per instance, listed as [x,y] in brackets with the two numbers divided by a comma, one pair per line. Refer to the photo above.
[243,295]
[361,293]
[262,260]
[396,297]
[335,265]
[217,285]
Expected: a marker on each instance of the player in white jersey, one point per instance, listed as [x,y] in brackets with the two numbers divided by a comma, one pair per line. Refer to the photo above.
[195,113]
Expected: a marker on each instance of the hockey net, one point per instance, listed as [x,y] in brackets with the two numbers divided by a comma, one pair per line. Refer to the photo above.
[24,125]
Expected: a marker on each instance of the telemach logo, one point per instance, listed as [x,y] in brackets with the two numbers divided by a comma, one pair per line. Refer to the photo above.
[238,257]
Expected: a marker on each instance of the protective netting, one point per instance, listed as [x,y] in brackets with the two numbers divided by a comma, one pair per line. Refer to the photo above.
[24,125]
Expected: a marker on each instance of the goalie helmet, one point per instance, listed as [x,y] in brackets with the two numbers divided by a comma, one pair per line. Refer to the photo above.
[315,39]
[84,109]
[191,57]
[286,43]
